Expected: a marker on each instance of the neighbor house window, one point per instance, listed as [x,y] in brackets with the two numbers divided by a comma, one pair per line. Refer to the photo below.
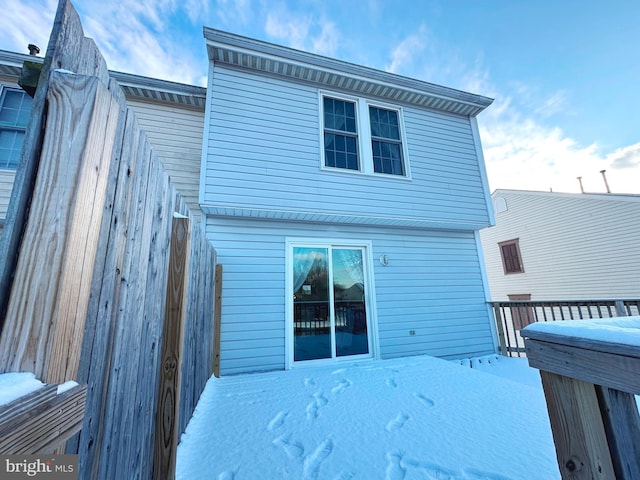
[511,258]
[363,137]
[15,106]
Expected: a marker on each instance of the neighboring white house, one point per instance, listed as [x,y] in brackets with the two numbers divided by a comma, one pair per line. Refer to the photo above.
[172,114]
[563,246]
[345,204]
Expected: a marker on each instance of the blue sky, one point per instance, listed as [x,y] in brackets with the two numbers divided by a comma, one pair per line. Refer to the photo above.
[565,75]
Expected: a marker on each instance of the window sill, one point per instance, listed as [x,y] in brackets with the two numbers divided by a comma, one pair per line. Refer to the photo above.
[346,171]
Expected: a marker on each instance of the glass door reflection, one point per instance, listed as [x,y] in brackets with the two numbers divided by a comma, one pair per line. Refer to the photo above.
[311,305]
[349,302]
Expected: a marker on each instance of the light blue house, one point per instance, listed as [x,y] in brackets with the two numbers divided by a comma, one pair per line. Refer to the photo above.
[344,204]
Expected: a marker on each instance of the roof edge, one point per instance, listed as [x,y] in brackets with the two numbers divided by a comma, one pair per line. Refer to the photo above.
[233,42]
[590,195]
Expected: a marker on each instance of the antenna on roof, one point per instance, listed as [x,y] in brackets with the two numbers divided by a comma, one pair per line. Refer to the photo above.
[606,184]
[581,187]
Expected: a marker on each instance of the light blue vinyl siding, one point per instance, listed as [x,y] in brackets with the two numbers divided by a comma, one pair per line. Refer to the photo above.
[264,154]
[432,285]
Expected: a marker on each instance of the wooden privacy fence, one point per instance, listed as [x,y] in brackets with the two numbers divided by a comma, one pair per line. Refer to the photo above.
[113,284]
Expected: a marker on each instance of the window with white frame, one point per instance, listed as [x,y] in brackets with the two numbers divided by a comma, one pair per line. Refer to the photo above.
[362,136]
[15,106]
[340,134]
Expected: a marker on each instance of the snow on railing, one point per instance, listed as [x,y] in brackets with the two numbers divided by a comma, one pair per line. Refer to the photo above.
[590,372]
[512,316]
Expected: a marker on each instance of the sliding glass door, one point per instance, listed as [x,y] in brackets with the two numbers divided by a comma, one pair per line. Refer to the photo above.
[330,316]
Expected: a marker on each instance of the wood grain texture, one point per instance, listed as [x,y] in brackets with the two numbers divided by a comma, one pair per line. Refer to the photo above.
[40,422]
[68,49]
[578,431]
[62,231]
[622,425]
[119,355]
[575,340]
[104,322]
[614,371]
[167,418]
[81,247]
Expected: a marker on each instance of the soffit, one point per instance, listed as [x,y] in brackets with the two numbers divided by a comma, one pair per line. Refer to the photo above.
[249,54]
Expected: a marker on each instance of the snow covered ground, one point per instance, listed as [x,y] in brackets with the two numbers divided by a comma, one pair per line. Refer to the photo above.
[409,418]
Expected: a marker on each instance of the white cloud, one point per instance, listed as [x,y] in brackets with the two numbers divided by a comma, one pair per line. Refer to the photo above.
[326,42]
[407,50]
[232,13]
[22,23]
[288,28]
[136,38]
[522,153]
[523,150]
[623,158]
[132,35]
[302,31]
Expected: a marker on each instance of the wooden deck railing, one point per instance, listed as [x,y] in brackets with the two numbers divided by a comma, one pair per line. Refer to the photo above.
[513,316]
[590,372]
[41,421]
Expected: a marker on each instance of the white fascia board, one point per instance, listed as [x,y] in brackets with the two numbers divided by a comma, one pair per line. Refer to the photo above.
[217,39]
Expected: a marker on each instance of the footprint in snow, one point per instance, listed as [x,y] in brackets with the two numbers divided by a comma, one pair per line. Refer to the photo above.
[395,470]
[277,421]
[391,383]
[312,462]
[309,382]
[425,400]
[341,386]
[293,449]
[228,475]
[430,470]
[397,423]
[319,400]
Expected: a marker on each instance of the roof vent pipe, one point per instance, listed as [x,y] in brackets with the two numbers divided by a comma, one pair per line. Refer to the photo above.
[33,49]
[581,187]
[606,184]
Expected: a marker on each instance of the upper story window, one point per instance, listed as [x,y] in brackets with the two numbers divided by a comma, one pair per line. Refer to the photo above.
[361,136]
[340,134]
[511,258]
[385,141]
[15,106]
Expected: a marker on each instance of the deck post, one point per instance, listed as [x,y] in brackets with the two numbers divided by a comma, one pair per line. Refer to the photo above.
[589,381]
[577,427]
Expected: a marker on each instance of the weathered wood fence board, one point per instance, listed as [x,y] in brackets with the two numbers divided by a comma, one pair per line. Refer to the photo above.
[62,230]
[70,50]
[116,338]
[167,417]
[41,421]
